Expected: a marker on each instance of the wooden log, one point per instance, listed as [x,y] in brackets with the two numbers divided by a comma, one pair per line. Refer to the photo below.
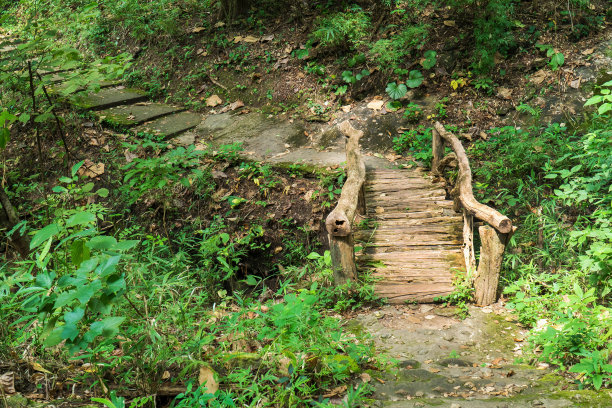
[449,160]
[468,243]
[491,257]
[339,221]
[437,146]
[464,185]
[343,258]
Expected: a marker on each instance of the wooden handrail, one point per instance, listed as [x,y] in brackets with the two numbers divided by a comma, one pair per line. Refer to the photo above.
[493,238]
[339,223]
[463,189]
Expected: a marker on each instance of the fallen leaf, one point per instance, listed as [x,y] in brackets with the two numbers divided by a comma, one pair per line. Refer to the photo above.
[449,23]
[236,105]
[376,105]
[207,376]
[335,391]
[379,210]
[197,29]
[365,377]
[238,39]
[504,93]
[219,24]
[434,370]
[250,39]
[346,108]
[36,366]
[166,375]
[213,101]
[267,37]
[588,51]
[538,77]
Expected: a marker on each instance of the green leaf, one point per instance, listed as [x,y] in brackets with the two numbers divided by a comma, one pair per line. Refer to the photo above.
[74,316]
[126,245]
[54,338]
[87,187]
[76,168]
[396,91]
[604,108]
[79,252]
[107,327]
[70,331]
[415,78]
[80,218]
[24,118]
[43,235]
[103,192]
[102,242]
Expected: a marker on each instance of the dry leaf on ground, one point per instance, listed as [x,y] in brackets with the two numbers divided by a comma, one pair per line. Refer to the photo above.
[91,170]
[376,105]
[213,101]
[207,376]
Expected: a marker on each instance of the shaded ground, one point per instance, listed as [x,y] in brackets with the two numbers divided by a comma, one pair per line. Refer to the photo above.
[476,362]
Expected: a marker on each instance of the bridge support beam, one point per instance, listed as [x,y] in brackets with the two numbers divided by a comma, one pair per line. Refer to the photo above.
[493,244]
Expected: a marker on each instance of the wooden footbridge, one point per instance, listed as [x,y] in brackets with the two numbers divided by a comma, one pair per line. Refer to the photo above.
[412,237]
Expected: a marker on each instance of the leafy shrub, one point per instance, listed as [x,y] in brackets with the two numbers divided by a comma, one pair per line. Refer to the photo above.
[417,142]
[391,53]
[413,112]
[342,29]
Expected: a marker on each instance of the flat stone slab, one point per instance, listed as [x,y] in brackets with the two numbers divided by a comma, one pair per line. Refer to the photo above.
[261,136]
[139,113]
[108,98]
[171,125]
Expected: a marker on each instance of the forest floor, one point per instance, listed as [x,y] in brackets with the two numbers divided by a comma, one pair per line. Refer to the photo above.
[442,360]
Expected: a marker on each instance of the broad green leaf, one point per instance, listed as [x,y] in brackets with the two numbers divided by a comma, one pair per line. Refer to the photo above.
[107,327]
[65,298]
[65,179]
[108,266]
[606,107]
[396,91]
[80,218]
[54,338]
[79,252]
[87,187]
[43,235]
[126,245]
[70,332]
[415,78]
[102,242]
[44,280]
[102,192]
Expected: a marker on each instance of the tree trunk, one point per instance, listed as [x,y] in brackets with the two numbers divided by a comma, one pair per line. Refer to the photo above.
[8,220]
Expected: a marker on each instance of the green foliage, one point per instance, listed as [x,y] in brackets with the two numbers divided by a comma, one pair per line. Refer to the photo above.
[557,59]
[390,53]
[417,142]
[396,91]
[462,295]
[603,100]
[430,59]
[156,176]
[413,112]
[342,29]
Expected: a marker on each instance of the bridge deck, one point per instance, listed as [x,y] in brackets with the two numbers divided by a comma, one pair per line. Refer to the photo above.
[412,237]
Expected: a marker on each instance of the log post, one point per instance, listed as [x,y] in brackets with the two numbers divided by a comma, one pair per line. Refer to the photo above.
[339,222]
[437,147]
[469,253]
[491,257]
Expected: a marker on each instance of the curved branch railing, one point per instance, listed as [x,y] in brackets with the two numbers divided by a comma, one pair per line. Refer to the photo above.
[493,237]
[339,223]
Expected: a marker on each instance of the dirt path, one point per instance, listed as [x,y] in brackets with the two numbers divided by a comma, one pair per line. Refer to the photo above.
[477,362]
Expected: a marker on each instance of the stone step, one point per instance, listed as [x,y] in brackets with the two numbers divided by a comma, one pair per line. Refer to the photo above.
[108,98]
[136,114]
[169,126]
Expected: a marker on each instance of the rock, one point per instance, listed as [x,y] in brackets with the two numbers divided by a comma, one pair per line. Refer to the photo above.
[108,98]
[171,125]
[455,362]
[409,364]
[454,405]
[448,337]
